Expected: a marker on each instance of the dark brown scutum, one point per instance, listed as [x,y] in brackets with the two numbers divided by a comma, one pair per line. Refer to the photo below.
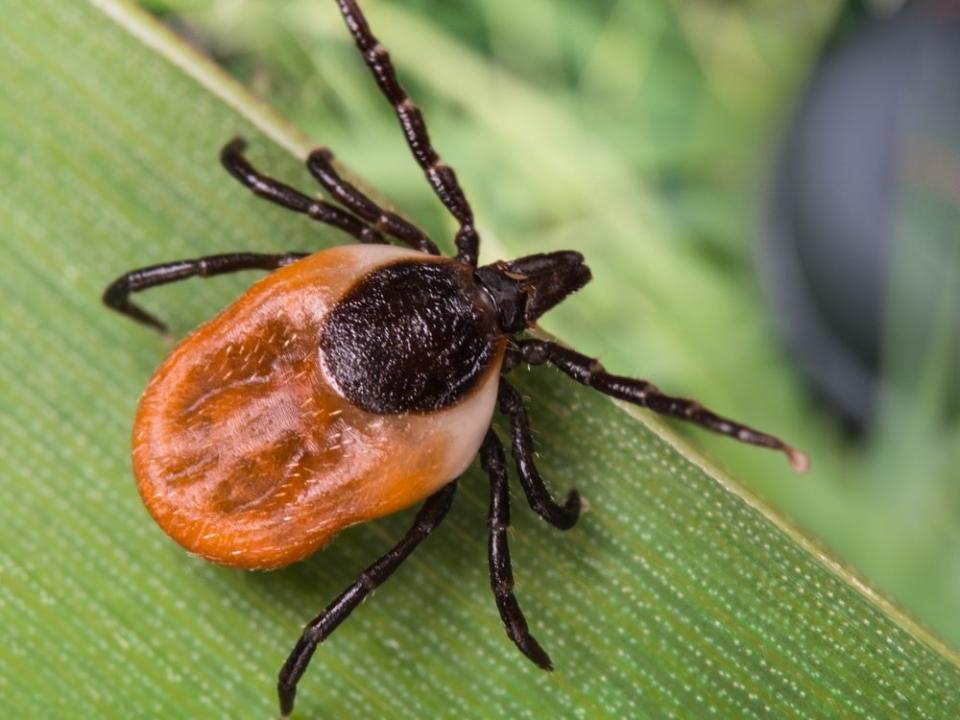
[410,337]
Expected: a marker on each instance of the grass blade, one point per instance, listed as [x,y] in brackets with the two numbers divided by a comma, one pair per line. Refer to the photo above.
[677,595]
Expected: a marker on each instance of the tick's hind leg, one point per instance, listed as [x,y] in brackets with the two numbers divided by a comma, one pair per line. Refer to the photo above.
[501,570]
[319,629]
[320,165]
[233,160]
[117,294]
[560,516]
[590,372]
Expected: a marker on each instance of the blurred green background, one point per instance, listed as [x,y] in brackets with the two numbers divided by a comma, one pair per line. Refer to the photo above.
[644,134]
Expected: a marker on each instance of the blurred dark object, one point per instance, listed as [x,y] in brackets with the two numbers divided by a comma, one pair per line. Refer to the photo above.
[870,167]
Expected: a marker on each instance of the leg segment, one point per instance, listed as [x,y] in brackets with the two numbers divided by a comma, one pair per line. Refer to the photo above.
[117,294]
[560,516]
[590,372]
[319,629]
[501,571]
[440,176]
[232,158]
[320,165]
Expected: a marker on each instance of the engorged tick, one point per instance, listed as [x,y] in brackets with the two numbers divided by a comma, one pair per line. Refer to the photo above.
[354,382]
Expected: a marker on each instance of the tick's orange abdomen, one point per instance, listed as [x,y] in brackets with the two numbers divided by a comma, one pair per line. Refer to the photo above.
[244,451]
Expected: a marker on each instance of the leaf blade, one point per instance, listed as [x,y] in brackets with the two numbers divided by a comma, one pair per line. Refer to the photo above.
[678,594]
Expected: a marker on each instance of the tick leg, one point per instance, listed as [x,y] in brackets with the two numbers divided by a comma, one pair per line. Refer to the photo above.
[560,516]
[590,372]
[232,158]
[501,570]
[441,177]
[117,294]
[320,165]
[319,629]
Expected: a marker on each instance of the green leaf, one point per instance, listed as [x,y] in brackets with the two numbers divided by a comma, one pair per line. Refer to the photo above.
[678,593]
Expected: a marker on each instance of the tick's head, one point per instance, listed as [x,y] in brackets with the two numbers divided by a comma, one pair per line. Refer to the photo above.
[526,288]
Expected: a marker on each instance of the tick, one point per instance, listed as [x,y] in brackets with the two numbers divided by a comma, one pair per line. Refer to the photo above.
[354,382]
